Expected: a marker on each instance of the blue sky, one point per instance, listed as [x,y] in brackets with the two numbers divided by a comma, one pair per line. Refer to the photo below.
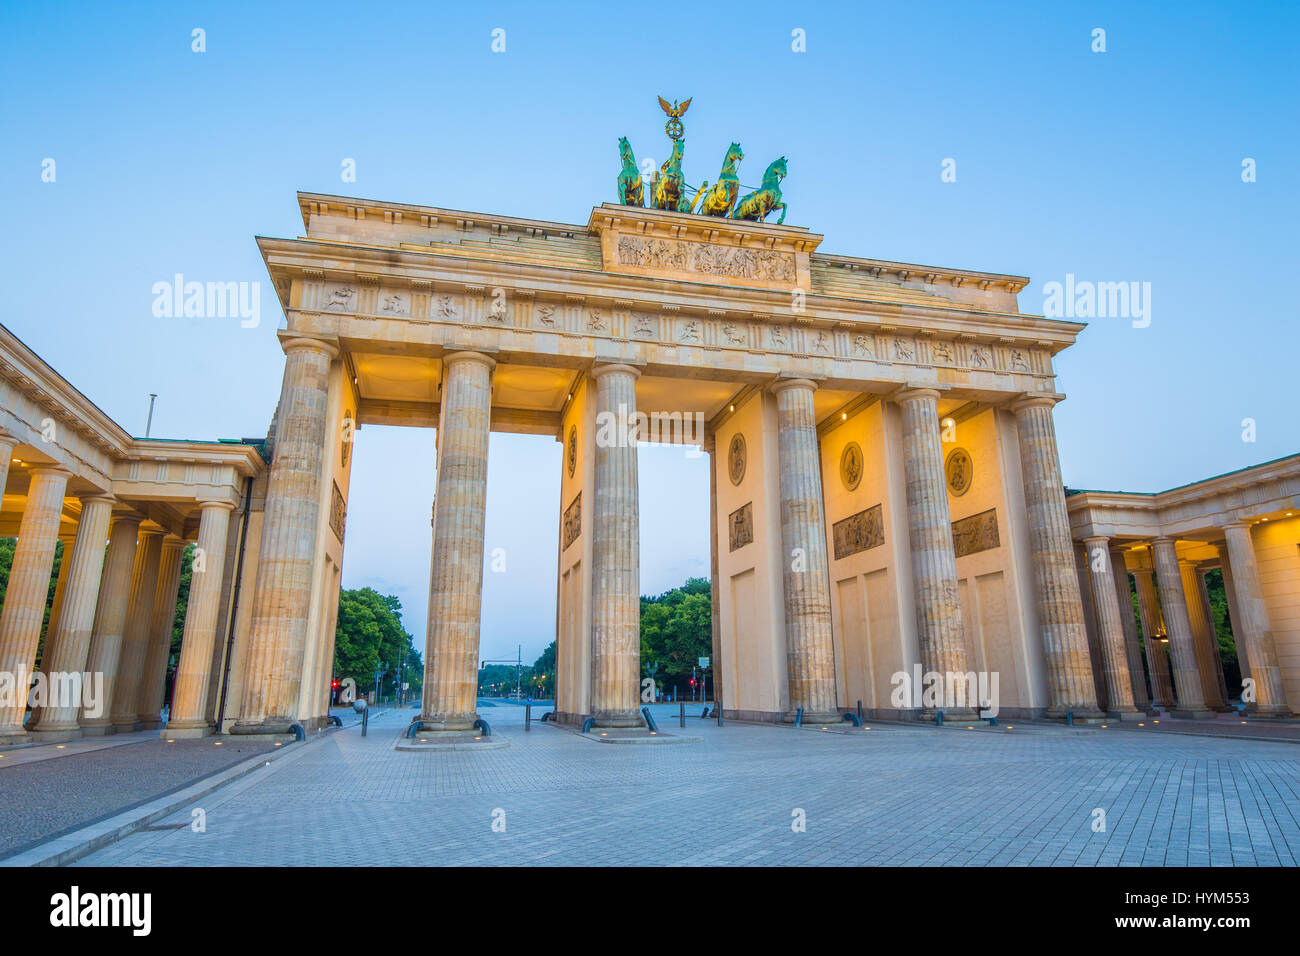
[1115,166]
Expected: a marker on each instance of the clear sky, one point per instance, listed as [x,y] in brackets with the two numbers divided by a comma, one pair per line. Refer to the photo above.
[1122,166]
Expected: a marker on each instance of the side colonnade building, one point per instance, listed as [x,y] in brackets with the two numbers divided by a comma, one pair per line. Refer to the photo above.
[1246,524]
[125,508]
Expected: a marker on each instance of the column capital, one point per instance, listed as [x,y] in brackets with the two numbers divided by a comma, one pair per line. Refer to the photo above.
[211,504]
[597,371]
[173,542]
[1235,523]
[98,496]
[912,393]
[1036,400]
[468,355]
[1096,539]
[781,384]
[303,343]
[51,469]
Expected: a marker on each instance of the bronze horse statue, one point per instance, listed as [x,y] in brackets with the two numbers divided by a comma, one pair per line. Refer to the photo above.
[757,205]
[669,188]
[720,200]
[631,190]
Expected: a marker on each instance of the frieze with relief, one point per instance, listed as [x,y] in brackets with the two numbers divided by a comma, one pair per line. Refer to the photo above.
[572,522]
[740,526]
[975,533]
[860,532]
[707,258]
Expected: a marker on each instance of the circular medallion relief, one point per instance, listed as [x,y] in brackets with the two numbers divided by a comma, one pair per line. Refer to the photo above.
[959,470]
[571,450]
[851,465]
[736,458]
[349,426]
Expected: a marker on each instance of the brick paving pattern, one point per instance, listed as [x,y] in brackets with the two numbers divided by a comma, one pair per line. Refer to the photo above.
[897,795]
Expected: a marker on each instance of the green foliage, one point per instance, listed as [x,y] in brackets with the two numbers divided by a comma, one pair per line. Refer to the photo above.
[370,631]
[676,630]
[1223,628]
[7,547]
[182,602]
[536,680]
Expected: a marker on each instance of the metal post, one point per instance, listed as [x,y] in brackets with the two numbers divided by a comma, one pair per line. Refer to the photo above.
[149,424]
[528,716]
[681,713]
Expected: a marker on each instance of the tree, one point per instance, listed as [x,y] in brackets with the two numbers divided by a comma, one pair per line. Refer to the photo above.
[369,631]
[677,630]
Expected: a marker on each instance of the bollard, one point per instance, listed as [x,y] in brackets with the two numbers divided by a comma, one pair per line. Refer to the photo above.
[859,711]
[938,718]
[681,715]
[1069,718]
[649,720]
[528,716]
[798,717]
[359,706]
[717,709]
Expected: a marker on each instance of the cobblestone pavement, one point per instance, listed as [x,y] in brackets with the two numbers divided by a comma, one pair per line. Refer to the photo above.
[894,795]
[40,799]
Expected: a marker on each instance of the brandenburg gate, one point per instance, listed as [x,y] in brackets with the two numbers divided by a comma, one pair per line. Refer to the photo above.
[885,486]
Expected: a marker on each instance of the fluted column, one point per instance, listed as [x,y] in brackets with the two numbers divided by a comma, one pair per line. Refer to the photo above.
[1216,652]
[153,683]
[56,606]
[1162,688]
[290,526]
[7,445]
[135,634]
[29,587]
[1182,643]
[929,525]
[1110,629]
[1198,615]
[1141,699]
[190,691]
[1056,583]
[456,588]
[809,653]
[715,614]
[1234,613]
[110,619]
[615,555]
[71,635]
[1252,626]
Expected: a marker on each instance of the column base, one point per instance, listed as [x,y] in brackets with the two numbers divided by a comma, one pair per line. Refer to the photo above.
[1277,711]
[1194,714]
[449,740]
[96,729]
[20,739]
[618,720]
[266,727]
[1080,713]
[125,727]
[1127,715]
[55,735]
[187,732]
[448,723]
[153,724]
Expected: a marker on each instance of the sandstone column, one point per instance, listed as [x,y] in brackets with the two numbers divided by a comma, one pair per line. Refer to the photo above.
[1234,613]
[1141,699]
[615,555]
[805,572]
[282,596]
[1162,688]
[56,605]
[190,691]
[154,682]
[715,612]
[135,635]
[1110,630]
[110,620]
[1182,646]
[456,574]
[1253,628]
[934,564]
[7,444]
[1060,614]
[29,587]
[1198,615]
[71,636]
[1216,652]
